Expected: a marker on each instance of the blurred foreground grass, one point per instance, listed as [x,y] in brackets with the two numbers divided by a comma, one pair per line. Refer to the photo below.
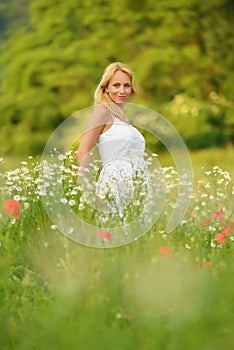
[126,298]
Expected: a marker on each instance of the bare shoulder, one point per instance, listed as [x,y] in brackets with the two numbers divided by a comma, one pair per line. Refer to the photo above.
[99,116]
[101,111]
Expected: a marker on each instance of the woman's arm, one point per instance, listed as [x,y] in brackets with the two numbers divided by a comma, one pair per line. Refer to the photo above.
[95,126]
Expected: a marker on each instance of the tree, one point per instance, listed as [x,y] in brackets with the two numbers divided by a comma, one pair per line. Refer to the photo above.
[13,15]
[51,68]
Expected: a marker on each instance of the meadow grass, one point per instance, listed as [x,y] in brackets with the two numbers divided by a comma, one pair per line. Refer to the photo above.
[164,291]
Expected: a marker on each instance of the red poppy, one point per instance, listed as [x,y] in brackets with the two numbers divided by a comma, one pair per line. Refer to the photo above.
[221,238]
[12,207]
[226,230]
[166,252]
[104,234]
[218,215]
[206,224]
[206,263]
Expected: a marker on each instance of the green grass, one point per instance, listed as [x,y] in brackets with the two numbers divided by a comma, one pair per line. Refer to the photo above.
[164,291]
[207,157]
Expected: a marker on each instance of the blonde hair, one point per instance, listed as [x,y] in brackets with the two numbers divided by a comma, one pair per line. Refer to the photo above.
[102,97]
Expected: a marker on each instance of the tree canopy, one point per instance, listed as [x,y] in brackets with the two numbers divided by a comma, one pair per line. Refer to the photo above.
[181,52]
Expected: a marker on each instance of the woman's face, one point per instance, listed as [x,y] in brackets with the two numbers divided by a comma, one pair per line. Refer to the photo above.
[119,87]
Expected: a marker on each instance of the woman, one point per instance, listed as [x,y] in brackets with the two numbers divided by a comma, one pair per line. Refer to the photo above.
[124,175]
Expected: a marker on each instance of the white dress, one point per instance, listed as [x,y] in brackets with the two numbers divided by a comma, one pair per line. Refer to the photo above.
[124,177]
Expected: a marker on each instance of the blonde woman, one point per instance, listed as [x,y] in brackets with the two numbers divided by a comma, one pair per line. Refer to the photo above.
[121,146]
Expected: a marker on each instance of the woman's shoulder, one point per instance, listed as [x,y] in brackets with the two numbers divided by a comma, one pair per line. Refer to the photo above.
[101,109]
[99,116]
[101,113]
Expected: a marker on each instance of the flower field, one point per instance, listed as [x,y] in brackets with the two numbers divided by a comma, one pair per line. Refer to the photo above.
[164,291]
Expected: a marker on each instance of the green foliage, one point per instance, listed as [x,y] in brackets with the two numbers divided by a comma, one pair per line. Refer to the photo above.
[174,47]
[13,15]
[202,123]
